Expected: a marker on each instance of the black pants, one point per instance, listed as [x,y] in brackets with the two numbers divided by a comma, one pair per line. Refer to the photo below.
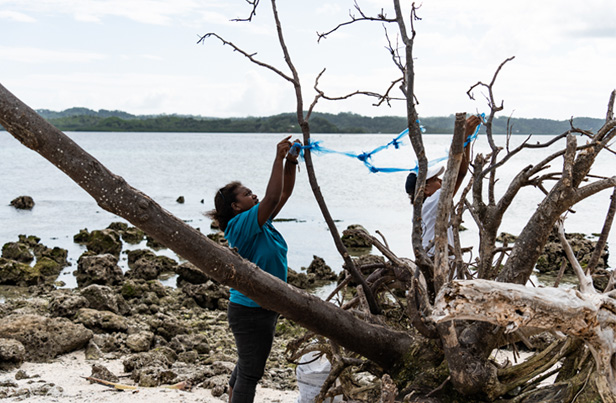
[253,329]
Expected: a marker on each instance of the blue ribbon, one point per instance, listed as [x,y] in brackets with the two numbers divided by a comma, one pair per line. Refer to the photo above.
[366,156]
[474,135]
[421,128]
[430,164]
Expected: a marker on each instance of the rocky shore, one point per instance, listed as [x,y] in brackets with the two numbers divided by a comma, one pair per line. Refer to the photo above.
[124,330]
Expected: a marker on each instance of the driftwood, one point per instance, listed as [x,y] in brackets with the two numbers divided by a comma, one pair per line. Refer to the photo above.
[184,385]
[588,316]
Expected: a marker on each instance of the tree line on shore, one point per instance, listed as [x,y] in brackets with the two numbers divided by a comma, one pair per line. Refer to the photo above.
[83,119]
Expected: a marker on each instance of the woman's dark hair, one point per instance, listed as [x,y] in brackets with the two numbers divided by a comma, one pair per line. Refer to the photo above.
[222,201]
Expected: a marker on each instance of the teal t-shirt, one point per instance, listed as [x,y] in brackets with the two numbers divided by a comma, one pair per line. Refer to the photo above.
[264,246]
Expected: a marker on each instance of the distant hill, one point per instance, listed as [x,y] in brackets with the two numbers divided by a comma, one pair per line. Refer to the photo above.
[102,113]
[83,119]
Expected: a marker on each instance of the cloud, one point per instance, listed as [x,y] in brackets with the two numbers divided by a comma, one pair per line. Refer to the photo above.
[157,12]
[327,9]
[257,95]
[141,55]
[16,16]
[40,55]
[591,19]
[607,32]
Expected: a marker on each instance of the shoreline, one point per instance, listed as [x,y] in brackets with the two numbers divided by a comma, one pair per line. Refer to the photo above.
[63,379]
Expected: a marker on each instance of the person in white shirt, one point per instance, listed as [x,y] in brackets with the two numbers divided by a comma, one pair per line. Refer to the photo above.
[432,191]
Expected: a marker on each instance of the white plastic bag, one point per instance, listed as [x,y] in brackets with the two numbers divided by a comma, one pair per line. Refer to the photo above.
[311,377]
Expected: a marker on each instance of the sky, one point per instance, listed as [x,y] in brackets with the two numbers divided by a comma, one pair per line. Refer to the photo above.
[143,56]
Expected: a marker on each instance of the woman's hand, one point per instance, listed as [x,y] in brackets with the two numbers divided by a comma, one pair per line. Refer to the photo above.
[471,124]
[294,151]
[273,200]
[283,148]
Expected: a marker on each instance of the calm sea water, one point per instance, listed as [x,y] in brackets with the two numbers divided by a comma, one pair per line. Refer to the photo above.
[194,165]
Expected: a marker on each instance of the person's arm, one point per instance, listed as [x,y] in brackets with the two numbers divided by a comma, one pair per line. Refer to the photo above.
[273,193]
[290,167]
[471,125]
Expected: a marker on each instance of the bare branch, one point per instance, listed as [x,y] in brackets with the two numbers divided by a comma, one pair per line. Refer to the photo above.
[287,56]
[424,263]
[419,309]
[610,283]
[382,97]
[561,273]
[363,17]
[523,177]
[414,17]
[525,144]
[250,56]
[395,53]
[608,149]
[583,132]
[384,239]
[606,133]
[491,103]
[568,160]
[317,96]
[489,86]
[593,188]
[491,170]
[585,281]
[253,12]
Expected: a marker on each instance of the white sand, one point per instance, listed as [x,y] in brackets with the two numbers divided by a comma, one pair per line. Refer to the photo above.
[66,374]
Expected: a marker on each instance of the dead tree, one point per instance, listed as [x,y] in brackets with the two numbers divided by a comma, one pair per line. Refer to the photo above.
[583,314]
[401,316]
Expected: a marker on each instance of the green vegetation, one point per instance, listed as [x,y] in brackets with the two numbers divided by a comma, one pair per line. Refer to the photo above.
[83,119]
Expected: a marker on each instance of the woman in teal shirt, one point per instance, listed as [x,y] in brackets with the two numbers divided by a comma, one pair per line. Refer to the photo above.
[247,224]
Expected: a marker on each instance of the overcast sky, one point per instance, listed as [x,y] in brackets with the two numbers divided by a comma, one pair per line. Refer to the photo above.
[142,56]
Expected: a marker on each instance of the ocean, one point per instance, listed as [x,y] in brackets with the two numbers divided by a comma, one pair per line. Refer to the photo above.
[166,166]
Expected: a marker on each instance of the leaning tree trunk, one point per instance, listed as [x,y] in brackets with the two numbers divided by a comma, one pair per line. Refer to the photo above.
[377,343]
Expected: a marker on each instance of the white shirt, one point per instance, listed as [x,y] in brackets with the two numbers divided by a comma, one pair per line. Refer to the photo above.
[428,220]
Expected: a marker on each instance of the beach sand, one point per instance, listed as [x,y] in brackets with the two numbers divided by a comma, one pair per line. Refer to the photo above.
[62,380]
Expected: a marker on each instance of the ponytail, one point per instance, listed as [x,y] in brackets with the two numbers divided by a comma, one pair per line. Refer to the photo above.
[224,198]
